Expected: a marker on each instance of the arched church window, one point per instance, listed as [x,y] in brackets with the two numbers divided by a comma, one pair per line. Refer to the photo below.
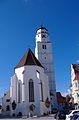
[19,91]
[41,91]
[7,108]
[31,90]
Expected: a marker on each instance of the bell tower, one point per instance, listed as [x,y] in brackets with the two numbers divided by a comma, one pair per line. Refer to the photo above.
[43,52]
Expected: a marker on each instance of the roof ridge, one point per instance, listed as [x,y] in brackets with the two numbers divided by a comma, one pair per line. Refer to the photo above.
[33,58]
[28,59]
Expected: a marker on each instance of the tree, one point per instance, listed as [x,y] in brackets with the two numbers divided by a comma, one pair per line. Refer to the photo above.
[13,105]
[47,102]
[32,107]
[68,97]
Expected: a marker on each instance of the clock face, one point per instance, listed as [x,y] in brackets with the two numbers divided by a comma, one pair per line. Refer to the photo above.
[43,35]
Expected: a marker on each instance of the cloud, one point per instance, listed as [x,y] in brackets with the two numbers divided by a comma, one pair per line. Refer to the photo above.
[78,45]
[77,61]
[66,93]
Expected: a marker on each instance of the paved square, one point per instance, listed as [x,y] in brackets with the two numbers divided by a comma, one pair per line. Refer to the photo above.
[33,118]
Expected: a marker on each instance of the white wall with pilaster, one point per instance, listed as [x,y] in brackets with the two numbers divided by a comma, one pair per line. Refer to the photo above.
[24,74]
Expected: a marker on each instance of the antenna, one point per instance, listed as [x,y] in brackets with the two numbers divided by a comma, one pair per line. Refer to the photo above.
[42,21]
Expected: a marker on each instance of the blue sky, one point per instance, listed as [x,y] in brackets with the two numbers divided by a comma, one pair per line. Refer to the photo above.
[19,20]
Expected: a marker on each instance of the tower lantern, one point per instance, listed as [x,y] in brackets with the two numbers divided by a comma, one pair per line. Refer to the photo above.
[42,34]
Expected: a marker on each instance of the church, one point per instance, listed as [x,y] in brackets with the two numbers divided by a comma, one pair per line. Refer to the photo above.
[33,90]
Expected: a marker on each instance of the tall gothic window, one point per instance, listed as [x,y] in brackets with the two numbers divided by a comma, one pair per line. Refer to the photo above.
[31,90]
[41,91]
[19,91]
[7,108]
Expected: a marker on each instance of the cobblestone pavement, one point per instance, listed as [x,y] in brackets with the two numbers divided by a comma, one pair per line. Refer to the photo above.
[33,118]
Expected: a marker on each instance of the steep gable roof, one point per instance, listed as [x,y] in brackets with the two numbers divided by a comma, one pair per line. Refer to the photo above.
[60,98]
[76,70]
[28,59]
[42,28]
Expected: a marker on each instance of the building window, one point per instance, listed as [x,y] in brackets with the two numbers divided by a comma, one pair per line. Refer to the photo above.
[23,72]
[76,85]
[43,36]
[19,92]
[77,94]
[7,108]
[31,90]
[7,100]
[44,46]
[41,91]
[38,74]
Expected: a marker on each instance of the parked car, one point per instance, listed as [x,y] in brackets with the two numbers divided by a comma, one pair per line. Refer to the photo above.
[75,117]
[54,110]
[60,115]
[73,112]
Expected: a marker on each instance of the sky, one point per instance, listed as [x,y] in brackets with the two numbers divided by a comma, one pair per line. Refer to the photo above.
[19,20]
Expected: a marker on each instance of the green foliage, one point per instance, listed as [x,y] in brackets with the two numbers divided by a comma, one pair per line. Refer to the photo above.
[14,105]
[47,102]
[32,107]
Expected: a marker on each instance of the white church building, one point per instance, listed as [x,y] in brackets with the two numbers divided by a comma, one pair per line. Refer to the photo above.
[33,90]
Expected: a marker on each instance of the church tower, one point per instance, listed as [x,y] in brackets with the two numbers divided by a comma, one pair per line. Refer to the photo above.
[43,52]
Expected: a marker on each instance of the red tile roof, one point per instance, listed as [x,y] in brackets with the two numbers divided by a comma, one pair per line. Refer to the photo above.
[76,76]
[76,70]
[42,28]
[28,59]
[60,98]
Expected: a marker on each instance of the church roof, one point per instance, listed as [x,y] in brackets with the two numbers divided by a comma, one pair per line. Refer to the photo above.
[60,98]
[28,59]
[43,28]
[76,70]
[76,67]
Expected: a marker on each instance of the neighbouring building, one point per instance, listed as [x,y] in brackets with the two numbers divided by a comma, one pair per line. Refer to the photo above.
[6,103]
[75,84]
[61,101]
